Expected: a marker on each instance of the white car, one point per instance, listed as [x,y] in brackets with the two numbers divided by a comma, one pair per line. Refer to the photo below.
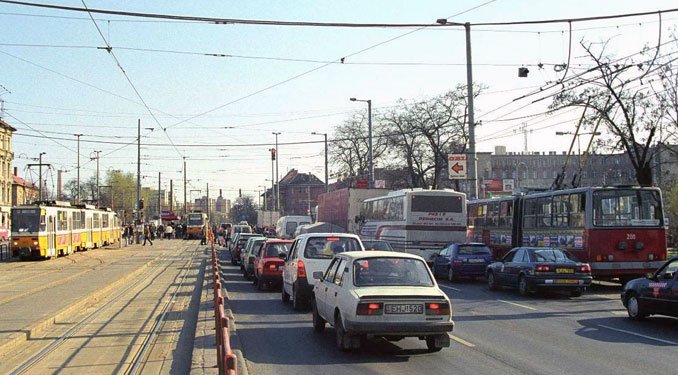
[309,253]
[381,294]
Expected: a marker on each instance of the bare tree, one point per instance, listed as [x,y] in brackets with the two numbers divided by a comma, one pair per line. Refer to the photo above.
[349,148]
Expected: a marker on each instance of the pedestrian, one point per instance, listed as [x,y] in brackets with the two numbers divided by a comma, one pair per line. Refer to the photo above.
[169,231]
[161,231]
[152,229]
[203,235]
[147,235]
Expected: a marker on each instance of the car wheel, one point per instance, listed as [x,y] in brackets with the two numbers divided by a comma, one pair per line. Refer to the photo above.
[633,308]
[576,293]
[318,321]
[522,286]
[431,344]
[296,303]
[450,275]
[284,296]
[340,333]
[491,282]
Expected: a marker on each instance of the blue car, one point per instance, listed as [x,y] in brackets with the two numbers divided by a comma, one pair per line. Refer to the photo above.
[462,260]
[656,293]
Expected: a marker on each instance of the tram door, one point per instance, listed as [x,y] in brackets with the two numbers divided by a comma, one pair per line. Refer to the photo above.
[90,237]
[51,236]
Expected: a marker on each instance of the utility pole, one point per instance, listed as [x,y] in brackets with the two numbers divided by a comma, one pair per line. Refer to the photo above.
[277,175]
[185,187]
[159,204]
[171,197]
[137,213]
[207,201]
[327,179]
[77,184]
[273,200]
[40,175]
[97,159]
[370,155]
[471,114]
[59,172]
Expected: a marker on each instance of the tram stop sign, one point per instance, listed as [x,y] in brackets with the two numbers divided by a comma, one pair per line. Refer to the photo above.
[456,165]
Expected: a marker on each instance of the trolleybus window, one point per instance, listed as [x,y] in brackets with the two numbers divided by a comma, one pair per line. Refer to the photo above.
[424,203]
[633,208]
[27,220]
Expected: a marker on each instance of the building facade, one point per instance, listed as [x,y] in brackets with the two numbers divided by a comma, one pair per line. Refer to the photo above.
[6,161]
[298,193]
[23,192]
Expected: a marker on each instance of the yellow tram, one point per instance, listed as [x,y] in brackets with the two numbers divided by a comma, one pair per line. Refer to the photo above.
[194,223]
[54,228]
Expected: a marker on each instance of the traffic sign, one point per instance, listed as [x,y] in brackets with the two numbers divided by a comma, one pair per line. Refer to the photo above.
[456,165]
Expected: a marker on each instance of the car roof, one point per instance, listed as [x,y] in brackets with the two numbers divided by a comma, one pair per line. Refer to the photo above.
[278,240]
[344,235]
[354,255]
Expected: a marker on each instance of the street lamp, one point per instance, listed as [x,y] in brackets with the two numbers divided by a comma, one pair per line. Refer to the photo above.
[370,176]
[327,181]
[277,176]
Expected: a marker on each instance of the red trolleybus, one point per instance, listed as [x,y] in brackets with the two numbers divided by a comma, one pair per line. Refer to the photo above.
[619,231]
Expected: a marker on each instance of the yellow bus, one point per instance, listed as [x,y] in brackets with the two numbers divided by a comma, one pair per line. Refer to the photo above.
[54,228]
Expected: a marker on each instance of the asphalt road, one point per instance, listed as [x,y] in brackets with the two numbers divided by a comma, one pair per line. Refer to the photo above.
[496,332]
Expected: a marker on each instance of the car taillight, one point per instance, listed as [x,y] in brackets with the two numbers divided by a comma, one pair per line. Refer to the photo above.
[457,262]
[370,308]
[437,308]
[301,269]
[542,268]
[272,266]
[585,268]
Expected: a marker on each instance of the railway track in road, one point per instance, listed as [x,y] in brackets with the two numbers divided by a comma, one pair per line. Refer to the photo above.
[129,301]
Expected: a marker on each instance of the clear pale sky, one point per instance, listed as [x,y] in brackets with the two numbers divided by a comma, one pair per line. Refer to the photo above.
[179,86]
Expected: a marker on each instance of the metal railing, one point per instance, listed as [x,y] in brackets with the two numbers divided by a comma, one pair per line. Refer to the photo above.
[226,360]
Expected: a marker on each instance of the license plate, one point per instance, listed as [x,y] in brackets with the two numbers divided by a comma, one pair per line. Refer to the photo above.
[566,281]
[406,308]
[564,270]
[476,260]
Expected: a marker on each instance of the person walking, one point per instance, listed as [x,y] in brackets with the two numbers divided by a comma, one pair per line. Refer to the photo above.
[161,231]
[203,235]
[169,231]
[147,235]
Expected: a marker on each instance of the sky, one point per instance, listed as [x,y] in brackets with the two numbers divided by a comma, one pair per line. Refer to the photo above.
[57,83]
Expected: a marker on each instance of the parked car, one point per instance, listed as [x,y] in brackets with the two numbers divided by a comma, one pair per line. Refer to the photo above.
[657,293]
[383,294]
[238,244]
[247,256]
[268,265]
[462,260]
[309,253]
[241,228]
[377,245]
[533,268]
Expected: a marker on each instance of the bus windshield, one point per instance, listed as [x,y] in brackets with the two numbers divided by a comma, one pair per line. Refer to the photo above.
[627,208]
[26,220]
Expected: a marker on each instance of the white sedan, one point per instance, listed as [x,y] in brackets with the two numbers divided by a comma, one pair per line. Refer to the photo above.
[381,294]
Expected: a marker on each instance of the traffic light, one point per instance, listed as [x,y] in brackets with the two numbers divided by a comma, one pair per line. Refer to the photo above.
[141,203]
[272,154]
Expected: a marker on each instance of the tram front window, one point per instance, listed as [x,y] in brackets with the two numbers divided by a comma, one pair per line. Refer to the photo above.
[27,220]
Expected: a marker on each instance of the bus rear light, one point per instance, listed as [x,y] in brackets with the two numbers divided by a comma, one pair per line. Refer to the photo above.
[599,258]
[640,245]
[622,245]
[610,257]
[650,257]
[437,308]
[370,308]
[543,268]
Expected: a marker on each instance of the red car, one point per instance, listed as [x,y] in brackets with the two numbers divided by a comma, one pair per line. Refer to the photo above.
[268,265]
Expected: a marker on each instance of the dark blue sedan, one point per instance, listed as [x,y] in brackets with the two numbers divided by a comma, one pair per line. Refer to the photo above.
[656,293]
[539,268]
[462,260]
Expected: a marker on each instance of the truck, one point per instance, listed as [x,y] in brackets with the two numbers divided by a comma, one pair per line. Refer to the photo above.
[340,207]
[267,218]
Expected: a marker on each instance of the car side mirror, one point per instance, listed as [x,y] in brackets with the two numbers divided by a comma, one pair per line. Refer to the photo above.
[282,256]
[318,275]
[650,276]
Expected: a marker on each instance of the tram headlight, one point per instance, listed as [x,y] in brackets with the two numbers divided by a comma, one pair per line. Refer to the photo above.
[16,243]
[35,243]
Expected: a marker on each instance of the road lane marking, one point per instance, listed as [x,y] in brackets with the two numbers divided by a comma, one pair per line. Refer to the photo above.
[517,304]
[618,312]
[461,341]
[449,287]
[639,335]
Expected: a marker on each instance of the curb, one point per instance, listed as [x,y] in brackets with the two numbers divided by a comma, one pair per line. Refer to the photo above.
[34,329]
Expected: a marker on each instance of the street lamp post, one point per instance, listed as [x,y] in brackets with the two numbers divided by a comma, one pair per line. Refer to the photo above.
[40,175]
[97,159]
[370,175]
[77,183]
[277,175]
[327,180]
[264,187]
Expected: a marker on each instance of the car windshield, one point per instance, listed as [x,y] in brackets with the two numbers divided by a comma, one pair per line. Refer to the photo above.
[377,245]
[389,271]
[275,249]
[552,255]
[473,250]
[326,247]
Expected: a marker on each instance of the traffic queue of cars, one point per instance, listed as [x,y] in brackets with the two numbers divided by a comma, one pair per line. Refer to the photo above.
[363,291]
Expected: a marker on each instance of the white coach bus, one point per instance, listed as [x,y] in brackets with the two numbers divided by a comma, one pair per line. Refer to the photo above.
[416,221]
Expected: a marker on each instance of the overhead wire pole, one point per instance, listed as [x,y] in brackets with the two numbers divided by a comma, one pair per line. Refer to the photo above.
[40,175]
[97,158]
[327,180]
[277,175]
[159,204]
[77,184]
[137,213]
[185,203]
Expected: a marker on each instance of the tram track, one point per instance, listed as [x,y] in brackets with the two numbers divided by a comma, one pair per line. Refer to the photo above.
[143,284]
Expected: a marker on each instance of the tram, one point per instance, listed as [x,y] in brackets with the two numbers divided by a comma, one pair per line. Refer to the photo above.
[619,231]
[49,229]
[195,220]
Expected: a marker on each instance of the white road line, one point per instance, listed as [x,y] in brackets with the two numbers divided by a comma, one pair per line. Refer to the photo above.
[618,312]
[461,341]
[639,335]
[517,304]
[449,287]
[611,298]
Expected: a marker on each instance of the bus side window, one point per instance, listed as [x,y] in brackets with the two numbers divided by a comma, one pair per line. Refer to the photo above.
[577,210]
[529,218]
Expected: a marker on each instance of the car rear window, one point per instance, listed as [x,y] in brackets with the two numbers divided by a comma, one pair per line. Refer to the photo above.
[275,249]
[377,245]
[473,250]
[326,247]
[552,255]
[391,271]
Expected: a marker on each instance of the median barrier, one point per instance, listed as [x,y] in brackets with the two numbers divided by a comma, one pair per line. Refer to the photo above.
[226,360]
